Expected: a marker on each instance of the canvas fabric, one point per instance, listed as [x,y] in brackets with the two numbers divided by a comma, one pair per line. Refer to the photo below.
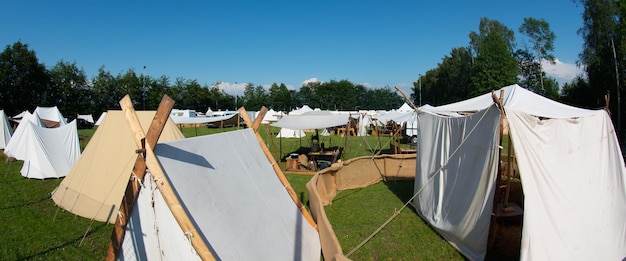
[574,188]
[456,171]
[95,185]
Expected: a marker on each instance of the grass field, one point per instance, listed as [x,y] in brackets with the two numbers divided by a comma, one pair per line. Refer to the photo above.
[35,229]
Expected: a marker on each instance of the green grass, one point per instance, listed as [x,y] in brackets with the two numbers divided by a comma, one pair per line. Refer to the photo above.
[34,228]
[356,213]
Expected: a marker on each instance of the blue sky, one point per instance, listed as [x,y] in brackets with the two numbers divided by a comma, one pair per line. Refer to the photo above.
[375,43]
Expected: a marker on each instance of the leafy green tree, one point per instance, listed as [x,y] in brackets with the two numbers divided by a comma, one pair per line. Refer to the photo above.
[493,27]
[603,52]
[541,40]
[495,65]
[528,67]
[70,88]
[455,73]
[281,99]
[24,82]
[107,93]
[255,97]
[576,93]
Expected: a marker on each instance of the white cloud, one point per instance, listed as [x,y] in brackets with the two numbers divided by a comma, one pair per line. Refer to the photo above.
[562,72]
[232,88]
[311,80]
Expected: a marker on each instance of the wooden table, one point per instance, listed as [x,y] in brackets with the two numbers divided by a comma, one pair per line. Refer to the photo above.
[327,155]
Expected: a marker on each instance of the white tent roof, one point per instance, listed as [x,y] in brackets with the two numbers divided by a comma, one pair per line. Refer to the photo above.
[312,120]
[520,99]
[304,109]
[396,116]
[46,152]
[87,117]
[101,118]
[405,108]
[50,114]
[196,120]
[272,116]
[6,131]
[572,173]
[241,210]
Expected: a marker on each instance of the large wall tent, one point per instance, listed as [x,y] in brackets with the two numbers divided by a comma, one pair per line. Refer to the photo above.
[6,131]
[47,152]
[95,185]
[571,168]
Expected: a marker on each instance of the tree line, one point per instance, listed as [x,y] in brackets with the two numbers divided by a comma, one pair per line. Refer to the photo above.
[26,83]
[493,58]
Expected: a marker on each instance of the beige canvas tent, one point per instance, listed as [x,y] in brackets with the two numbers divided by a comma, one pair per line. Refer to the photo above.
[95,186]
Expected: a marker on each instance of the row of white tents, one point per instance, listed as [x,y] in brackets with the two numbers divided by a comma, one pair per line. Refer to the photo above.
[569,158]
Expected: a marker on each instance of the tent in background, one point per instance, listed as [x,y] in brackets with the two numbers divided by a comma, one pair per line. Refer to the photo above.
[290,133]
[571,168]
[5,129]
[100,119]
[87,117]
[50,116]
[95,185]
[405,108]
[46,152]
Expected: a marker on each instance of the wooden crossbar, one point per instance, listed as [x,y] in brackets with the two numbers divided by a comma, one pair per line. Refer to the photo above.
[147,160]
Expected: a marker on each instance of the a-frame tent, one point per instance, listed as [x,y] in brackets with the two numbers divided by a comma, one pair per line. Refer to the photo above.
[571,168]
[95,185]
[227,201]
[6,131]
[46,152]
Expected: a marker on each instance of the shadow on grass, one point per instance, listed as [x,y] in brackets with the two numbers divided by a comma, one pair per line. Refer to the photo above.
[26,204]
[76,240]
[403,189]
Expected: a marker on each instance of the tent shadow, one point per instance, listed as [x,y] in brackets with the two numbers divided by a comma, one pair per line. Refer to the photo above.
[25,204]
[64,244]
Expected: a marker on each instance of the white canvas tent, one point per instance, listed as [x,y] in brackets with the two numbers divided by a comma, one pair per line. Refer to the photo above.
[5,129]
[87,117]
[405,108]
[100,119]
[95,185]
[312,120]
[46,152]
[241,211]
[571,168]
[290,133]
[50,116]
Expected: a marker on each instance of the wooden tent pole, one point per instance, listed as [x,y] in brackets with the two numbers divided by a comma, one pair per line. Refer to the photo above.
[149,161]
[494,208]
[277,170]
[139,169]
